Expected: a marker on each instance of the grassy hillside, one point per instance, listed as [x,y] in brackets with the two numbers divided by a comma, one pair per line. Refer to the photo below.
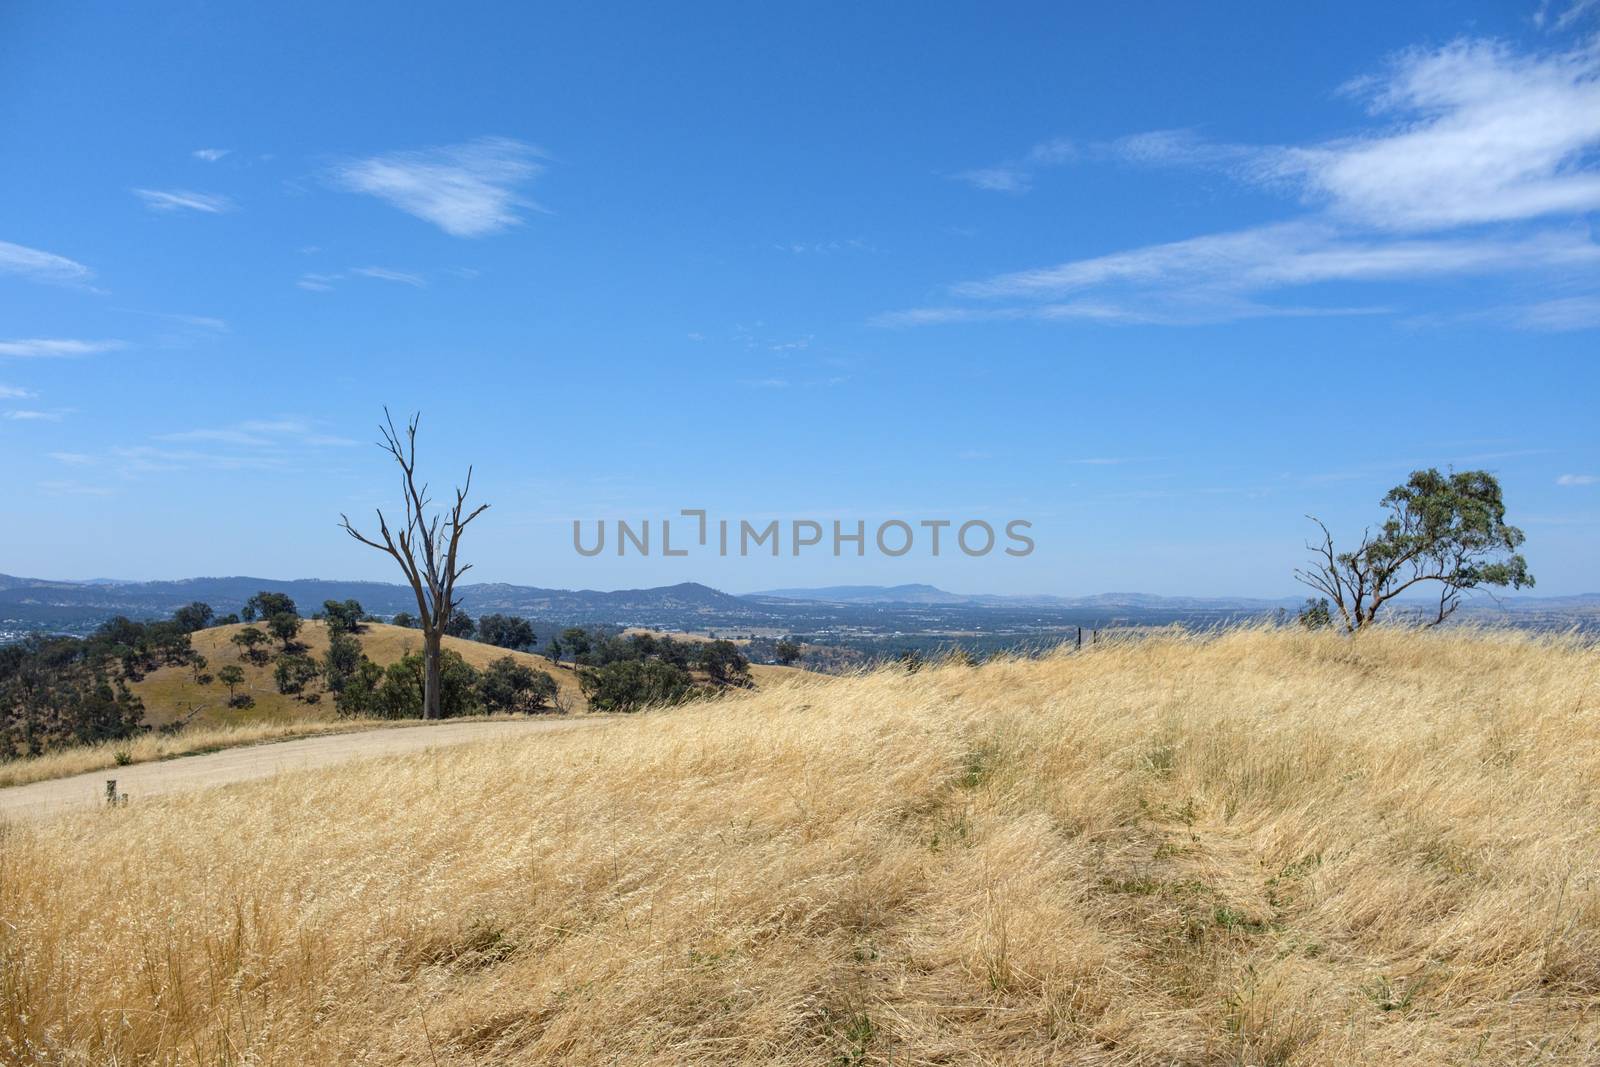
[1263,848]
[172,692]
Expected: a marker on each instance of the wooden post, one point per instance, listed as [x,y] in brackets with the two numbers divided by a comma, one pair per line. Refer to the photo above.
[1080,639]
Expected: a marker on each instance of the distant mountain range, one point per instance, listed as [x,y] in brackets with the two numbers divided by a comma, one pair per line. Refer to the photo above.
[33,603]
[928,594]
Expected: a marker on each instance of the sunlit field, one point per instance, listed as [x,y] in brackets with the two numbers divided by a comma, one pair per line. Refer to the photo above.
[1265,847]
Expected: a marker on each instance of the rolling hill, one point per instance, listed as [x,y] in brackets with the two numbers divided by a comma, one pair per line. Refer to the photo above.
[172,693]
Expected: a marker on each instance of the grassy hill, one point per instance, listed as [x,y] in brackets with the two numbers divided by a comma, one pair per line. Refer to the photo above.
[1258,848]
[172,693]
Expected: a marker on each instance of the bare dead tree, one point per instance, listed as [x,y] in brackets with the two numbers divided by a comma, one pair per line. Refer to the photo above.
[426,547]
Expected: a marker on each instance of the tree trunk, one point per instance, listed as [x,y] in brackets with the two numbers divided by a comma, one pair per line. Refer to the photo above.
[430,678]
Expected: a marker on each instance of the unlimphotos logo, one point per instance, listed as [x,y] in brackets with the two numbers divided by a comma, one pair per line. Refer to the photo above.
[741,537]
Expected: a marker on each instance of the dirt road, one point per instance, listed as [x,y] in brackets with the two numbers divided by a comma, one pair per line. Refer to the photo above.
[142,781]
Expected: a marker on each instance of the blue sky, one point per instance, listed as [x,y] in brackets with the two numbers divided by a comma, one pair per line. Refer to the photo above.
[1159,282]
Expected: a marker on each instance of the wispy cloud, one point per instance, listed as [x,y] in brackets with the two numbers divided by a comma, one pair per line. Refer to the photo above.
[167,200]
[1017,175]
[318,283]
[1292,254]
[72,488]
[15,392]
[72,459]
[1562,313]
[467,190]
[1578,479]
[41,266]
[1469,136]
[262,433]
[387,275]
[34,416]
[211,155]
[55,348]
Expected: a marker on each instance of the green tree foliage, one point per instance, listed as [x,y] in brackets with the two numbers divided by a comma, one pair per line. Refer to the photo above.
[265,605]
[293,672]
[57,691]
[506,685]
[723,663]
[342,616]
[232,677]
[460,625]
[404,618]
[1317,614]
[628,685]
[395,692]
[248,638]
[787,652]
[285,627]
[192,617]
[1444,529]
[506,631]
[575,639]
[341,662]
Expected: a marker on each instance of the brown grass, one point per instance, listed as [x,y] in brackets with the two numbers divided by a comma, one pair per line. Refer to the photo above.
[1258,848]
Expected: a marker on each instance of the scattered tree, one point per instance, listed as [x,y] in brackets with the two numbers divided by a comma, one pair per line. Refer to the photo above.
[723,663]
[247,639]
[460,625]
[266,604]
[787,652]
[506,631]
[427,550]
[404,618]
[285,627]
[293,672]
[342,616]
[1448,529]
[232,677]
[341,662]
[507,685]
[192,617]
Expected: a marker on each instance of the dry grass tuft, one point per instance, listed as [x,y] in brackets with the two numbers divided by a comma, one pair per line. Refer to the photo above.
[1260,847]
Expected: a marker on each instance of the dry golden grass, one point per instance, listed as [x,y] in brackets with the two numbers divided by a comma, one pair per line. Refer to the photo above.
[1248,849]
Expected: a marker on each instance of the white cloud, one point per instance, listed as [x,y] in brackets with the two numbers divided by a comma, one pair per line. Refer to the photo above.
[467,190]
[184,200]
[261,433]
[13,392]
[1289,254]
[1016,176]
[387,275]
[318,283]
[72,459]
[211,155]
[1467,137]
[1561,313]
[1578,479]
[34,416]
[41,266]
[1481,134]
[46,348]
